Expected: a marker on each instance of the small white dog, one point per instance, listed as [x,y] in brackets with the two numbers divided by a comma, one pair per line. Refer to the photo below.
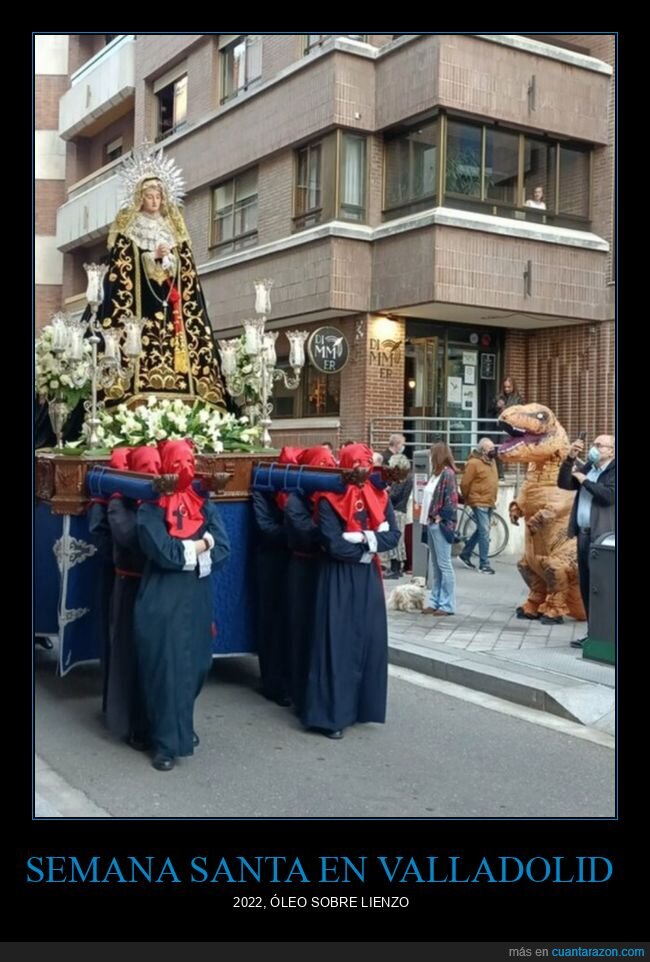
[409,597]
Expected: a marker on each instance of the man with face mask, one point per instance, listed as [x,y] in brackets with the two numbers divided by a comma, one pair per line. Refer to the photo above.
[480,487]
[594,509]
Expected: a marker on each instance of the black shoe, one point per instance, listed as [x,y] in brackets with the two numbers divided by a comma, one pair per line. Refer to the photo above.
[282,700]
[137,742]
[523,614]
[163,763]
[195,739]
[578,642]
[390,575]
[466,561]
[487,570]
[545,620]
[328,732]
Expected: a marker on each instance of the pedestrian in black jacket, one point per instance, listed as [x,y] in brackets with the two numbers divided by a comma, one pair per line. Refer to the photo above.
[594,509]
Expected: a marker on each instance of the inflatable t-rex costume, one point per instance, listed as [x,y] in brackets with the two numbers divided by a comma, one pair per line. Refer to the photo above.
[549,566]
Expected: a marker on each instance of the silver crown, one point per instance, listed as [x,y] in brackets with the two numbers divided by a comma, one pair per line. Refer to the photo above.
[147,162]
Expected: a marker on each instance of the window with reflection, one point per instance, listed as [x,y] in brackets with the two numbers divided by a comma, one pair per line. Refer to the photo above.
[352,200]
[234,213]
[488,169]
[241,65]
[309,185]
[463,162]
[318,395]
[412,167]
[317,180]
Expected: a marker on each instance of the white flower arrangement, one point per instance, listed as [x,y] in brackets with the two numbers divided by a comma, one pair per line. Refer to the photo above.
[212,431]
[56,378]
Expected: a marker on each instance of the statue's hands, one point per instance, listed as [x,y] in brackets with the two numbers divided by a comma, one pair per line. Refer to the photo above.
[162,250]
[515,512]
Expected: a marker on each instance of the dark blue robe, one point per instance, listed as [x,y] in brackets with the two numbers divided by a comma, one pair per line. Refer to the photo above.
[100,535]
[348,669]
[173,627]
[304,565]
[125,711]
[271,565]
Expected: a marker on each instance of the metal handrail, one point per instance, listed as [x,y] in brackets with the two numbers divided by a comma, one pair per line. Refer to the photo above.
[461,434]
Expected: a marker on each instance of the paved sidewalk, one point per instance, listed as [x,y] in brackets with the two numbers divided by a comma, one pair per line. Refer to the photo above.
[486,647]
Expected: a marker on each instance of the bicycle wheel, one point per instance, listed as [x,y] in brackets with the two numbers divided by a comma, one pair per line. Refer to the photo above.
[499,533]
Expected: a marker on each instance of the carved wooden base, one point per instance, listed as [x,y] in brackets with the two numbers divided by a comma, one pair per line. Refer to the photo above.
[61,480]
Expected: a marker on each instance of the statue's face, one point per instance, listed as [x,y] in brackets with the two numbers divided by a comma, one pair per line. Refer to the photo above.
[151,200]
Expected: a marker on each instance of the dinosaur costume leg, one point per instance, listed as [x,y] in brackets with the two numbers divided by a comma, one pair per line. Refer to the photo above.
[556,574]
[537,587]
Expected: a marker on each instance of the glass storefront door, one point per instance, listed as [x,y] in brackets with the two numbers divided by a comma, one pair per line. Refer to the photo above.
[450,375]
[461,400]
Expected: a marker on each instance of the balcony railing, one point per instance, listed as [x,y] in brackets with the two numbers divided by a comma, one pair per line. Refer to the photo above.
[87,215]
[102,84]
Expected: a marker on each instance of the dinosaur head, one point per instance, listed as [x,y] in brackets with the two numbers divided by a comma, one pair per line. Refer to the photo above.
[535,435]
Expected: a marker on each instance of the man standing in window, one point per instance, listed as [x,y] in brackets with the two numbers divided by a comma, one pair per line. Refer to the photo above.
[593,513]
[537,200]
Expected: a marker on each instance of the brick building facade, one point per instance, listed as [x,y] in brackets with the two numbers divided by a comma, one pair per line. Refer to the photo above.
[381,181]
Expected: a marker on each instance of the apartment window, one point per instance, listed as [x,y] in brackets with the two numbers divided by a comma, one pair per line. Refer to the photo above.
[318,395]
[172,107]
[412,168]
[309,186]
[486,168]
[352,199]
[241,65]
[316,199]
[321,393]
[463,161]
[112,150]
[574,181]
[539,168]
[500,176]
[234,213]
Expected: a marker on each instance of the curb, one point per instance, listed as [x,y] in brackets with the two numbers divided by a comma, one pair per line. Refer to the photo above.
[583,702]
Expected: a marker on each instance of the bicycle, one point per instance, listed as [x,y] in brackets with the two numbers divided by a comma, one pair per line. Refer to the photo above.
[466,527]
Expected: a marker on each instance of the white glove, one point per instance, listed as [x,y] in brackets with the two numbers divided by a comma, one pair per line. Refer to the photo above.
[371,538]
[354,537]
[384,526]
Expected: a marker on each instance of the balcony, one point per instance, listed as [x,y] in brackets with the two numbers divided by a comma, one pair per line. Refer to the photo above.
[101,92]
[87,215]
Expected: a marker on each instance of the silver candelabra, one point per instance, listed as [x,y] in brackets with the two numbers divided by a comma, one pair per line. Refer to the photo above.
[249,363]
[104,370]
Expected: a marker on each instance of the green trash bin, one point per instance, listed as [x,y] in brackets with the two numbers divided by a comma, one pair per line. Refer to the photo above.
[601,645]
